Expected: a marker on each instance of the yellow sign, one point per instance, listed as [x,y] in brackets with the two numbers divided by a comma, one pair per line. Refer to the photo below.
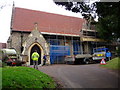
[92,39]
[99,55]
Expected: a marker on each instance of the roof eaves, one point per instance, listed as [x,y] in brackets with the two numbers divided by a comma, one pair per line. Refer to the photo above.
[21,31]
[60,34]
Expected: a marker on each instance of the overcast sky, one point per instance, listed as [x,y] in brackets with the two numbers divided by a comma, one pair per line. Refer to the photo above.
[41,5]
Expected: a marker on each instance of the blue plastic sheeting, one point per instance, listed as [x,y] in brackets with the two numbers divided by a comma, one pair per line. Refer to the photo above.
[76,47]
[100,49]
[57,53]
[54,42]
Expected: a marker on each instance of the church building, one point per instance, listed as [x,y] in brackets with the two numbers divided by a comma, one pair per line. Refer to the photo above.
[51,34]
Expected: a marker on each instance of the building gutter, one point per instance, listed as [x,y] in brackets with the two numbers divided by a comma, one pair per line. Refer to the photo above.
[60,34]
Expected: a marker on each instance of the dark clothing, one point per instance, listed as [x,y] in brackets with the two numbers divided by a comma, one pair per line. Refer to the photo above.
[44,59]
[35,63]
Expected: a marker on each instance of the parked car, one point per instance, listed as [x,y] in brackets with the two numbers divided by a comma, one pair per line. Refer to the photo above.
[10,57]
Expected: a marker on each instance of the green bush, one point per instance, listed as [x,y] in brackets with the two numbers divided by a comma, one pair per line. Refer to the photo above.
[4,64]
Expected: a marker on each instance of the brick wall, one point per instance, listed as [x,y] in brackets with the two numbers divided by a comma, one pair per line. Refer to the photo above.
[2,45]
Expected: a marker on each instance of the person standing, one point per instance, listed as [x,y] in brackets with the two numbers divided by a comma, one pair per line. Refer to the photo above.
[108,55]
[35,57]
[44,59]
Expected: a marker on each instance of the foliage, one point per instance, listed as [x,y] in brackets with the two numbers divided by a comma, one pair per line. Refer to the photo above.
[2,6]
[107,12]
[118,51]
[84,8]
[25,77]
[4,64]
[113,64]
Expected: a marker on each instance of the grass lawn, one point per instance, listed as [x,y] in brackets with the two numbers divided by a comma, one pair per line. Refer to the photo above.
[25,77]
[0,78]
[113,64]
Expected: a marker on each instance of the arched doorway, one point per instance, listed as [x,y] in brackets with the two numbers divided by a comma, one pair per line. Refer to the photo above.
[35,47]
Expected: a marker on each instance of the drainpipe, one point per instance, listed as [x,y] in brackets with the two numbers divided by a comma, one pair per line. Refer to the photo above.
[21,41]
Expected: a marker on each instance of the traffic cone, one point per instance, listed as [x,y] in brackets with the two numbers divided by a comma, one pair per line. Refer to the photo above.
[103,62]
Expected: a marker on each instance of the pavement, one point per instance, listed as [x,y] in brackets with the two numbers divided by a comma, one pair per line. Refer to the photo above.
[82,76]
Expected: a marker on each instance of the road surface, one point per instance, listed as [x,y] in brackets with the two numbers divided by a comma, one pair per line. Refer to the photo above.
[82,76]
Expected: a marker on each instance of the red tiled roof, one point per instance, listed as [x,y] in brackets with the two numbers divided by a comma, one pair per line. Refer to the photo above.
[24,19]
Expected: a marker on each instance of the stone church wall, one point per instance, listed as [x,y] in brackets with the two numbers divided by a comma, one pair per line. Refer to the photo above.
[16,40]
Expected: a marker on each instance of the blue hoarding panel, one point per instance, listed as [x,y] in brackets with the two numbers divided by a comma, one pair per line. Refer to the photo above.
[57,53]
[76,47]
